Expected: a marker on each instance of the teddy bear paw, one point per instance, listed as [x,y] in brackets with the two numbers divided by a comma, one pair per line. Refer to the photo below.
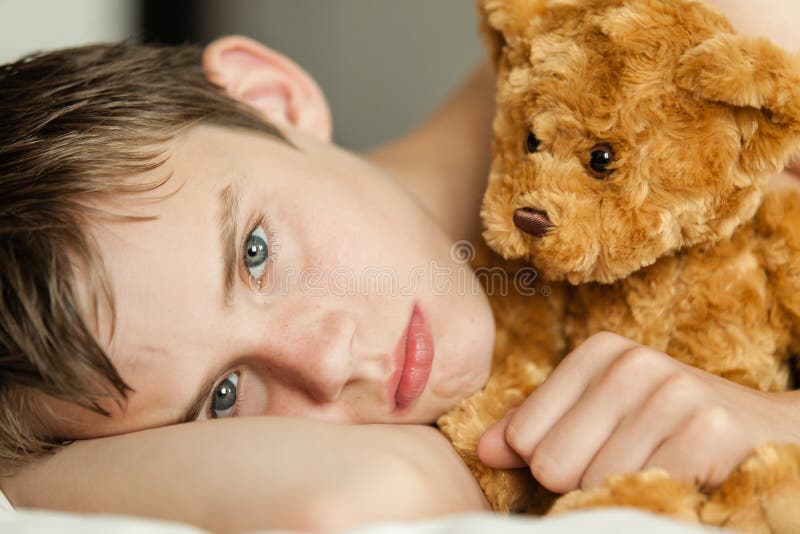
[761,495]
[653,490]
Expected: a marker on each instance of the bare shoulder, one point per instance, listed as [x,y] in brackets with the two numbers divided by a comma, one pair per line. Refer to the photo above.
[789,178]
[774,19]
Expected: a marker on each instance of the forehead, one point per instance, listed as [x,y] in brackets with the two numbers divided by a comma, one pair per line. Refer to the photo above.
[177,237]
[153,264]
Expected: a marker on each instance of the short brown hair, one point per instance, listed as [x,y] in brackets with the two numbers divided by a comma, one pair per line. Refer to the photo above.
[75,125]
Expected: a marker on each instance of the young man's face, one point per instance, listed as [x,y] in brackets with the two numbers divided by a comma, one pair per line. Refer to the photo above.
[329,260]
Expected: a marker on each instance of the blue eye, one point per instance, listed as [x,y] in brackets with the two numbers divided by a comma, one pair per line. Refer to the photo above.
[256,252]
[224,396]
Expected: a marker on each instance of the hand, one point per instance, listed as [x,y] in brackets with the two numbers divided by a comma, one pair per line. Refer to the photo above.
[614,406]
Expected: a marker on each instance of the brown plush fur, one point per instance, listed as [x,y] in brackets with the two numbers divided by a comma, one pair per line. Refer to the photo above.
[679,247]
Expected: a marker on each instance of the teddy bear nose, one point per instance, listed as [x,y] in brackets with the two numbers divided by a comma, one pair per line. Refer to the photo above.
[531,221]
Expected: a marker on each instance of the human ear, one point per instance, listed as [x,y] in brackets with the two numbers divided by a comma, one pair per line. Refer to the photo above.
[280,90]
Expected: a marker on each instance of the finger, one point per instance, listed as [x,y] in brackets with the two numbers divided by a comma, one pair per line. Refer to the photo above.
[641,433]
[562,389]
[704,450]
[562,457]
[494,451]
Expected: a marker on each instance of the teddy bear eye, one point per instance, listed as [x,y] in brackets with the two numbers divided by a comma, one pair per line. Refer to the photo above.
[532,143]
[600,157]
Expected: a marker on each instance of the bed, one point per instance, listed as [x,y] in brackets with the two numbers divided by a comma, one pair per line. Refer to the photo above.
[603,521]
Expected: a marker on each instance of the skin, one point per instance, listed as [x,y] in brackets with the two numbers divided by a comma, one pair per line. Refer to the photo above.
[302,346]
[345,340]
[309,332]
[576,428]
[562,431]
[248,474]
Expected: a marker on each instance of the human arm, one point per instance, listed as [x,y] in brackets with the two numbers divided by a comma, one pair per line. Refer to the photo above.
[444,163]
[576,428]
[255,473]
[774,19]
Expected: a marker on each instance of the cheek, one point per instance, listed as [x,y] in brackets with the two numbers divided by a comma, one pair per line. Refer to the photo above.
[285,401]
[364,213]
[464,341]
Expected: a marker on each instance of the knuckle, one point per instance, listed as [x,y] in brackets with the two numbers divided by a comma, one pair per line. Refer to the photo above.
[631,365]
[673,396]
[515,437]
[548,472]
[639,358]
[603,337]
[616,378]
[713,421]
[707,428]
[677,390]
[592,478]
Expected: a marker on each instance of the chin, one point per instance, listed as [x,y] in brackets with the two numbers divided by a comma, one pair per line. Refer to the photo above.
[455,388]
[463,360]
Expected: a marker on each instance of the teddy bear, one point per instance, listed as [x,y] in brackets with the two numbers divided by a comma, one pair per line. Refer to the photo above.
[633,141]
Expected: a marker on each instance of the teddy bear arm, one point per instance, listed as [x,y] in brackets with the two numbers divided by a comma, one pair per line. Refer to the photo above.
[761,495]
[778,223]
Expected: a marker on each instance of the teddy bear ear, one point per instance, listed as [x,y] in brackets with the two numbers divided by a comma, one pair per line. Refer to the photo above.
[756,76]
[504,22]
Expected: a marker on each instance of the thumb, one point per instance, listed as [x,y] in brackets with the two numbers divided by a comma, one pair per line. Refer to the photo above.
[494,450]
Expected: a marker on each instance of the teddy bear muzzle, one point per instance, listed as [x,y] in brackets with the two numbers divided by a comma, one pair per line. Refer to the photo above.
[532,221]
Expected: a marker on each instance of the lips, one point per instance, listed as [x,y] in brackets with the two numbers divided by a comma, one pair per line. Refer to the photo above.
[413,361]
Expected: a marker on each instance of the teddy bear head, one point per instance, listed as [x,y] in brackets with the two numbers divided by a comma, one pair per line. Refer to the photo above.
[627,130]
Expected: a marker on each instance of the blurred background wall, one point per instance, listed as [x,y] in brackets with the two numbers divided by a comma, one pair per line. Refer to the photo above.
[384,64]
[30,25]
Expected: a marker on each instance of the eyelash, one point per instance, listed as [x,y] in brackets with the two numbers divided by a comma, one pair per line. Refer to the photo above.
[239,395]
[272,244]
[272,254]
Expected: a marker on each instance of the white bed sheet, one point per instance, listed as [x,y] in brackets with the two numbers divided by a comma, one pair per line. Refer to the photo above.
[608,521]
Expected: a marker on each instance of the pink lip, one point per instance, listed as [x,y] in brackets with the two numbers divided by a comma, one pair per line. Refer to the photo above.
[413,361]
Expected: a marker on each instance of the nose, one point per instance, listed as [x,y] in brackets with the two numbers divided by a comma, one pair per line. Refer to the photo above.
[314,354]
[532,221]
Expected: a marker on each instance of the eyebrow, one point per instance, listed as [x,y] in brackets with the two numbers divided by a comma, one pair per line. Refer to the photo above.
[228,201]
[228,204]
